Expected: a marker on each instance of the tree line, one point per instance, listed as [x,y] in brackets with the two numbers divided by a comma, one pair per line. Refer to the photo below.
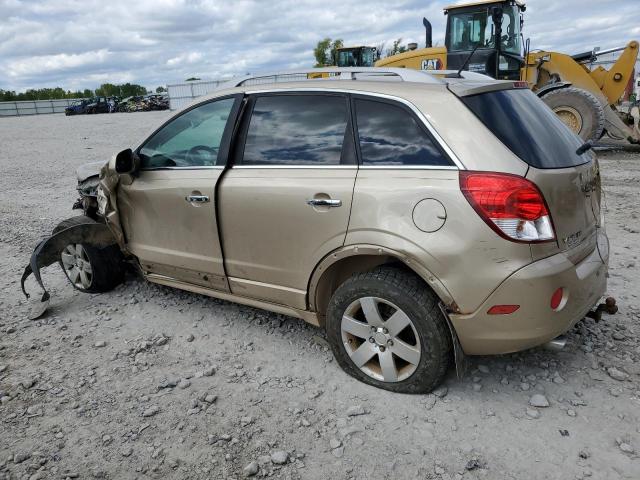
[57,93]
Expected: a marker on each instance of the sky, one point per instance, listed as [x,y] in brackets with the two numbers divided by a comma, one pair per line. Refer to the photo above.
[77,44]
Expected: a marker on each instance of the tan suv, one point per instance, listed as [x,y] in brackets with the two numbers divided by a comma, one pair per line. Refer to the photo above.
[406,213]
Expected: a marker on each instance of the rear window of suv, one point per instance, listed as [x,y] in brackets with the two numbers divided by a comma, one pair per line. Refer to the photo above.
[528,128]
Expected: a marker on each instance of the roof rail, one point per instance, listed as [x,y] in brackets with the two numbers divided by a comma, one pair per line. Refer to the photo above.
[337,73]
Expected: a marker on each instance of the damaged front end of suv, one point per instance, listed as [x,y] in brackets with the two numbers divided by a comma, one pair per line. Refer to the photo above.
[78,243]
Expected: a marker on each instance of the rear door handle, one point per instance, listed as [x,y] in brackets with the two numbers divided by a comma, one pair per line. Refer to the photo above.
[324,202]
[197,198]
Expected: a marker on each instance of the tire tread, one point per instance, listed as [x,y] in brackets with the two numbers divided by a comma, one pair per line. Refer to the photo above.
[596,109]
[415,288]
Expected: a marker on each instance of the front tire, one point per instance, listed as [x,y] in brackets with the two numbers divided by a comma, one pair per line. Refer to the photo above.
[385,329]
[88,268]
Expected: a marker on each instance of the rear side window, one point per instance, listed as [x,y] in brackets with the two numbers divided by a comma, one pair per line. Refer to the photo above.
[390,135]
[296,130]
[528,128]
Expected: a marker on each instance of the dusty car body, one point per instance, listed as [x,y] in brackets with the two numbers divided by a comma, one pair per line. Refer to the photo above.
[406,244]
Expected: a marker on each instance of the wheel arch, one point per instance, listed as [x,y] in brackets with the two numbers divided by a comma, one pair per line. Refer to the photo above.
[342,263]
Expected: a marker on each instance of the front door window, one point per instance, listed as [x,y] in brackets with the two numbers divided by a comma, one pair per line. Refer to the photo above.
[191,140]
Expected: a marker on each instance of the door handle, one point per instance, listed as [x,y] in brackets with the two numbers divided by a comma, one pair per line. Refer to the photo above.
[324,202]
[197,198]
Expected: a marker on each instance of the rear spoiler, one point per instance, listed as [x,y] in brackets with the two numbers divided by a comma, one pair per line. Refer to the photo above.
[468,88]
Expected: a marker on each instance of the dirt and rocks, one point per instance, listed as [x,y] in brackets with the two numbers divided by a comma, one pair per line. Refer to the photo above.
[151,382]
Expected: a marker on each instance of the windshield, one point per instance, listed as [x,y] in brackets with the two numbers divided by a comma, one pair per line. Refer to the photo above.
[367,57]
[475,28]
[347,58]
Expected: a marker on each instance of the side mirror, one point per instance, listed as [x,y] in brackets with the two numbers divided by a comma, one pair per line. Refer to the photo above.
[126,162]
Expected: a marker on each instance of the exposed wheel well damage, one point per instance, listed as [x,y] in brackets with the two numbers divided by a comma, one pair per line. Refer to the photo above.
[82,230]
[342,264]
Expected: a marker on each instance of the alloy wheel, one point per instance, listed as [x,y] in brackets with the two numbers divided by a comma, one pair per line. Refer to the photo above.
[380,339]
[77,265]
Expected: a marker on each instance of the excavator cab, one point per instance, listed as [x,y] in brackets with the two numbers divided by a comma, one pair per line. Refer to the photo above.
[356,56]
[492,31]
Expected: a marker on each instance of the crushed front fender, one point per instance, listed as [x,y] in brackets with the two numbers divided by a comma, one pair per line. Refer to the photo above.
[48,251]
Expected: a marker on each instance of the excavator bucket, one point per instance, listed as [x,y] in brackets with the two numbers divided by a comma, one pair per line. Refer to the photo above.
[616,128]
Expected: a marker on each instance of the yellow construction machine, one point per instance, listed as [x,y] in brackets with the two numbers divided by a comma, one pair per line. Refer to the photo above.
[356,56]
[584,98]
[360,56]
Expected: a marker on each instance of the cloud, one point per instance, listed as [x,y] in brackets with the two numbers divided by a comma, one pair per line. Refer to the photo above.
[185,59]
[82,43]
[63,62]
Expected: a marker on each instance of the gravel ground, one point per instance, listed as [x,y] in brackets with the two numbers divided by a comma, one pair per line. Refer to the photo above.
[151,382]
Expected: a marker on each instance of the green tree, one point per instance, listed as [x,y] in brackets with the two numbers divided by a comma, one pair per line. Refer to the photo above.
[124,90]
[326,51]
[396,48]
[320,52]
[192,79]
[132,89]
[161,90]
[107,90]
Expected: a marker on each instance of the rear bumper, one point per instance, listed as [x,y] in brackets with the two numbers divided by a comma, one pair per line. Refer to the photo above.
[531,287]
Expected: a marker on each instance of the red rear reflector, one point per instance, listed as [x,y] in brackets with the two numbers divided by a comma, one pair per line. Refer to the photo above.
[556,298]
[511,205]
[502,309]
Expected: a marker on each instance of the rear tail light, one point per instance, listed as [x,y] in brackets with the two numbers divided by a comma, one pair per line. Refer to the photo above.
[512,206]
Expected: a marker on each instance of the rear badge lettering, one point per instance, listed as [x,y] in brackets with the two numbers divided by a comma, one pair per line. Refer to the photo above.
[573,240]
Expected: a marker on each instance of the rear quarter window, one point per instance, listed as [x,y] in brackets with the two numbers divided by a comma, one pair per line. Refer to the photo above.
[390,135]
[528,128]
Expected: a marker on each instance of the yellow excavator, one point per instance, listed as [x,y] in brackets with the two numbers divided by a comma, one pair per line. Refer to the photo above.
[486,37]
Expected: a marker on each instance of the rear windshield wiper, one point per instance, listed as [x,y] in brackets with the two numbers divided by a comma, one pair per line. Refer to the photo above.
[584,147]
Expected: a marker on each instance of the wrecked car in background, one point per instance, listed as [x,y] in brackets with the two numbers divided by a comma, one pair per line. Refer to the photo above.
[91,106]
[142,103]
[415,228]
[145,103]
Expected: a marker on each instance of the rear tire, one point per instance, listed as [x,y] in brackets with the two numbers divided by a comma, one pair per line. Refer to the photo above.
[88,268]
[579,109]
[411,347]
